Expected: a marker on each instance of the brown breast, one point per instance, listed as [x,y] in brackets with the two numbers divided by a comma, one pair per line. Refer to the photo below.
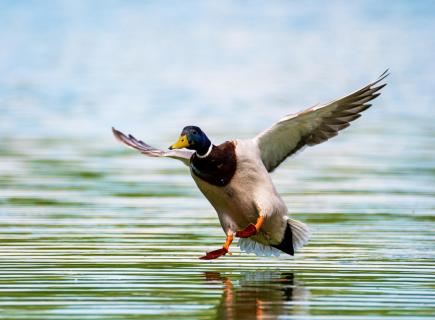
[219,167]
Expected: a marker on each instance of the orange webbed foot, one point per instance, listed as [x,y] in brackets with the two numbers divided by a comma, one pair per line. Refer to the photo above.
[249,231]
[215,254]
[252,229]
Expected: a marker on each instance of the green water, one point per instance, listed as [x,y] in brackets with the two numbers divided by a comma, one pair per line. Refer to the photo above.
[90,229]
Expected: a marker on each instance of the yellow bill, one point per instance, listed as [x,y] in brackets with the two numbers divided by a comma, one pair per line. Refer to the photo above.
[181,143]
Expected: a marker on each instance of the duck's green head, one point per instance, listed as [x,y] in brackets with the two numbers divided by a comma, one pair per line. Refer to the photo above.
[193,138]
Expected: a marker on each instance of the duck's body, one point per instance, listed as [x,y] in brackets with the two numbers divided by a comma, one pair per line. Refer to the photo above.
[249,190]
[234,176]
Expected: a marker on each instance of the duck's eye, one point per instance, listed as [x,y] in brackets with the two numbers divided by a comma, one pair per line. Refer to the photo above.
[194,132]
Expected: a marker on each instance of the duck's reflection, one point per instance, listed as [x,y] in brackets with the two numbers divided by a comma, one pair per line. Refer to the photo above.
[259,295]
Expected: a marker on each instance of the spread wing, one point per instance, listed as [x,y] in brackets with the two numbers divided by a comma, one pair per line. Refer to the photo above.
[132,142]
[314,125]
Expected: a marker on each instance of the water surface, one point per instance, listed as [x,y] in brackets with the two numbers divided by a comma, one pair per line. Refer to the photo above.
[91,230]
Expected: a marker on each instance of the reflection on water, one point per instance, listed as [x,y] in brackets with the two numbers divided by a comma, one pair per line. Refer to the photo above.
[259,295]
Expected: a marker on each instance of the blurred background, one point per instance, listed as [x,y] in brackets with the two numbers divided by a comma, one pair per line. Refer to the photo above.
[91,229]
[148,65]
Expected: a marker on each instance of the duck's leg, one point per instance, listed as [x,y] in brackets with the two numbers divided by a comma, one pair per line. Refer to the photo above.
[252,229]
[219,252]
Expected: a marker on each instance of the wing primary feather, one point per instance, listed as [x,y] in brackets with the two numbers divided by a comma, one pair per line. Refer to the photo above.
[315,124]
[327,128]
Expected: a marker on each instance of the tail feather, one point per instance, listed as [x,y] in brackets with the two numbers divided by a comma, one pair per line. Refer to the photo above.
[300,232]
[296,236]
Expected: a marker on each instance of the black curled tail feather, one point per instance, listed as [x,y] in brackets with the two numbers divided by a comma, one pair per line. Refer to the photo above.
[286,244]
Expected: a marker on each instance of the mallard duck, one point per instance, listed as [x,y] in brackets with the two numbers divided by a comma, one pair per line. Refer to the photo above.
[234,176]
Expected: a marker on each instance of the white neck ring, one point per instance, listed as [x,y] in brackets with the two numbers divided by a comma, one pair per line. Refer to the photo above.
[207,153]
